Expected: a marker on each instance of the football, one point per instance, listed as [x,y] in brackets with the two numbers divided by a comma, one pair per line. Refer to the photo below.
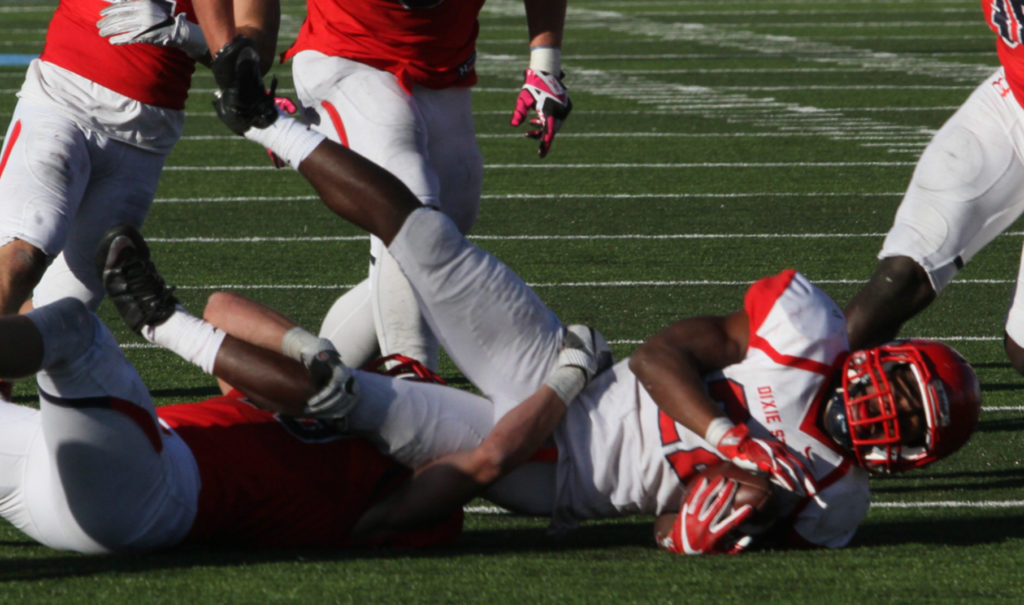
[754,489]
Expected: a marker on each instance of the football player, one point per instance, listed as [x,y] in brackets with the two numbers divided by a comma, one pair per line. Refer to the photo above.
[96,117]
[391,80]
[772,387]
[98,469]
[967,188]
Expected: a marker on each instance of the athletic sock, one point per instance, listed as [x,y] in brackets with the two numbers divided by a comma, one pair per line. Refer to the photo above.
[193,339]
[290,139]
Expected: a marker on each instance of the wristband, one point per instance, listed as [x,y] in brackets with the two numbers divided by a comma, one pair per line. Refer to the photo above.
[300,345]
[566,382]
[717,429]
[547,59]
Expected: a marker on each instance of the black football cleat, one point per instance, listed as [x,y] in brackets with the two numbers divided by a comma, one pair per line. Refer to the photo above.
[131,280]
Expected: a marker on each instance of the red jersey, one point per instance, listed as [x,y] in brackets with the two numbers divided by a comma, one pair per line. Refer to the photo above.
[270,481]
[426,42]
[1006,18]
[149,74]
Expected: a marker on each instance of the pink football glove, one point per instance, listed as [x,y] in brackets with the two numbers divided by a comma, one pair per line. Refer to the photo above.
[766,456]
[288,106]
[705,524]
[544,93]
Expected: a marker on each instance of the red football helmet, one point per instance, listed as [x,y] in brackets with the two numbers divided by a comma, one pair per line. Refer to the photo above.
[904,405]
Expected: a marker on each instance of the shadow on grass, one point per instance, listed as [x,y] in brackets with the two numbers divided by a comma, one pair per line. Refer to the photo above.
[59,565]
[1000,426]
[963,529]
[952,481]
[186,395]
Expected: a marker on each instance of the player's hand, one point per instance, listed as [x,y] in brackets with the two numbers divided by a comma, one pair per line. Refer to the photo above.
[288,106]
[339,391]
[766,456]
[584,354]
[707,521]
[242,102]
[544,93]
[150,22]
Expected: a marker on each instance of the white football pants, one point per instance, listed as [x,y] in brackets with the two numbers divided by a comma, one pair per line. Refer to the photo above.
[967,188]
[92,471]
[62,187]
[496,330]
[427,140]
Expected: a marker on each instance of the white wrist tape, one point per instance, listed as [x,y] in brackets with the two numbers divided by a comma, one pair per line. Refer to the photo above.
[290,139]
[567,382]
[300,345]
[546,58]
[718,428]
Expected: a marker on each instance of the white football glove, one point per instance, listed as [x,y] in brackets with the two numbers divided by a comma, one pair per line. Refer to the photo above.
[339,393]
[150,22]
[584,354]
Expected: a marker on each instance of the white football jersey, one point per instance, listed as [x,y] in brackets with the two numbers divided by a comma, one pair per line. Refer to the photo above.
[619,454]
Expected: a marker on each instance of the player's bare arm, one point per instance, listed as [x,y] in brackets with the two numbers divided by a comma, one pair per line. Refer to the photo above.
[24,359]
[545,21]
[671,366]
[453,480]
[217,18]
[672,363]
[247,319]
[260,20]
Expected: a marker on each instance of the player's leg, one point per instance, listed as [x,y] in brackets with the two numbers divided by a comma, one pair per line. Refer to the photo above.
[103,476]
[967,188]
[498,331]
[44,168]
[410,421]
[413,422]
[492,324]
[453,151]
[416,422]
[1013,341]
[149,308]
[120,191]
[367,110]
[349,325]
[397,319]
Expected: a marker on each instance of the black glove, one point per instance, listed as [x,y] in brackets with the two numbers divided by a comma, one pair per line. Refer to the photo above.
[243,101]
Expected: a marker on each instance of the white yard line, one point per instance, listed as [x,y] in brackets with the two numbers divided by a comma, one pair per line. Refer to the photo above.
[560,196]
[686,283]
[511,238]
[598,166]
[497,510]
[739,104]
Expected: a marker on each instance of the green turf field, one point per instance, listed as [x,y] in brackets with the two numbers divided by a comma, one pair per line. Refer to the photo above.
[711,143]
